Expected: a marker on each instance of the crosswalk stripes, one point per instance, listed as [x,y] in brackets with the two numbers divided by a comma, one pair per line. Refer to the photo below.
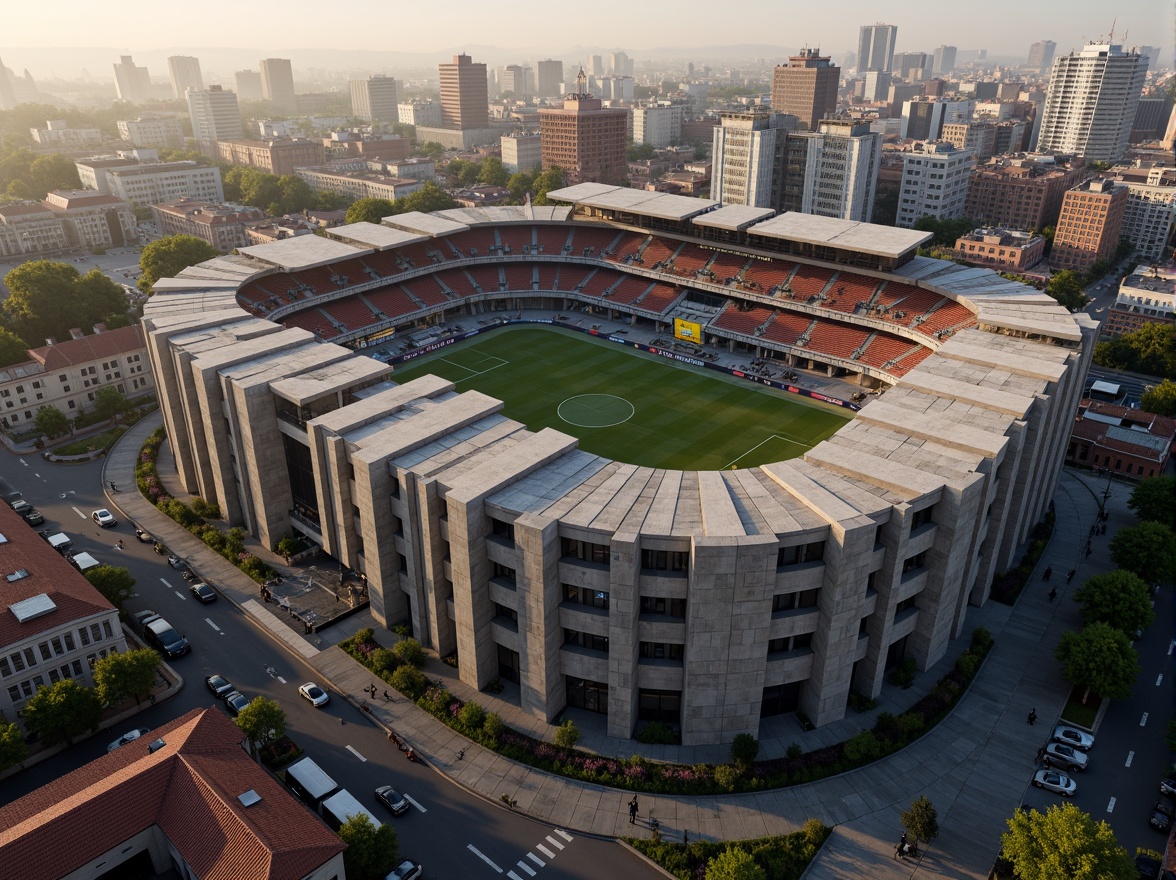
[522,864]
[554,842]
[530,871]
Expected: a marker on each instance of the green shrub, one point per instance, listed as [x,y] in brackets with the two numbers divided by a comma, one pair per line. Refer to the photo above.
[203,509]
[381,661]
[364,636]
[727,776]
[903,675]
[981,639]
[410,681]
[409,651]
[403,630]
[471,717]
[794,750]
[744,749]
[967,664]
[492,727]
[910,724]
[567,734]
[654,733]
[863,747]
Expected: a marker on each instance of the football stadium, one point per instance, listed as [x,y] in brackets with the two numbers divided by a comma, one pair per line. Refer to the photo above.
[639,455]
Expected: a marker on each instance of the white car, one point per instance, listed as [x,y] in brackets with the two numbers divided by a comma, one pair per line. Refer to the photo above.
[314,693]
[1058,755]
[104,518]
[1073,737]
[129,737]
[1052,780]
[406,870]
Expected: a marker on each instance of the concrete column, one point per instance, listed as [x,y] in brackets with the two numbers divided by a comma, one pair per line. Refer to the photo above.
[543,693]
[624,605]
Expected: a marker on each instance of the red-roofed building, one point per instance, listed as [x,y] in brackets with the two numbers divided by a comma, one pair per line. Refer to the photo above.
[186,798]
[54,624]
[93,219]
[1127,441]
[68,374]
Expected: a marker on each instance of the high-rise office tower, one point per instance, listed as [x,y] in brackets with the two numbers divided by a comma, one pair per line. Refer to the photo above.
[912,66]
[1041,55]
[934,182]
[619,64]
[549,79]
[464,96]
[185,74]
[833,171]
[944,60]
[375,99]
[746,158]
[1091,102]
[584,139]
[876,47]
[596,66]
[277,84]
[516,79]
[248,85]
[215,116]
[1090,223]
[923,118]
[1152,54]
[806,87]
[133,83]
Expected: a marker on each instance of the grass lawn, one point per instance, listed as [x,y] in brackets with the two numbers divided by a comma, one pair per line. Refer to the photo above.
[631,406]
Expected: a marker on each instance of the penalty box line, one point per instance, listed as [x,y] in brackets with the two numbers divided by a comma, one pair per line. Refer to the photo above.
[767,439]
[474,373]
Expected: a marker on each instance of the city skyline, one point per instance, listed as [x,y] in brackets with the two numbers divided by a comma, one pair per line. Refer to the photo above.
[75,25]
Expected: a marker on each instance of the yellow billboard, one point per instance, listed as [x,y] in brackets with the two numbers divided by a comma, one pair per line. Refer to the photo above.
[691,331]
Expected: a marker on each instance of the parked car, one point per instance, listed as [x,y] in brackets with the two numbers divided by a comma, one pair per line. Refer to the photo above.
[175,562]
[144,537]
[1168,786]
[1058,755]
[1071,736]
[140,619]
[219,685]
[1147,867]
[314,693]
[203,592]
[28,513]
[104,518]
[164,637]
[1162,812]
[392,799]
[406,870]
[235,702]
[1052,780]
[129,737]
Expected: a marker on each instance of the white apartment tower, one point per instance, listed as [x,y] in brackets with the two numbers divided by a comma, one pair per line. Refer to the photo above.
[132,82]
[659,125]
[1091,102]
[375,99]
[833,171]
[215,116]
[876,47]
[521,152]
[549,78]
[185,74]
[277,84]
[934,182]
[746,149]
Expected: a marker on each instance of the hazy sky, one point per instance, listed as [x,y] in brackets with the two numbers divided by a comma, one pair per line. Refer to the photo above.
[1004,27]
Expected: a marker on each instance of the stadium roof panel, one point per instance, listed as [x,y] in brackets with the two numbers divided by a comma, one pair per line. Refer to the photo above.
[636,201]
[424,224]
[581,191]
[374,235]
[302,252]
[733,218]
[867,238]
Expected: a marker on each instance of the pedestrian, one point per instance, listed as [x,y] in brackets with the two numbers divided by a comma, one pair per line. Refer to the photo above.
[1032,717]
[1048,573]
[1070,574]
[1053,594]
[1040,754]
[633,810]
[898,852]
[386,697]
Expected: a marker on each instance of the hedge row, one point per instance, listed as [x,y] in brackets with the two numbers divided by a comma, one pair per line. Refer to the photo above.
[781,857]
[1008,585]
[889,734]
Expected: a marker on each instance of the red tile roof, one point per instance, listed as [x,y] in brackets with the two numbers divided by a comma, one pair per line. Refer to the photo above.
[189,789]
[96,347]
[49,573]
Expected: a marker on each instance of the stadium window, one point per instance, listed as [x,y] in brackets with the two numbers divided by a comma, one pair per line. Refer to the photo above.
[905,604]
[586,640]
[585,551]
[665,560]
[509,613]
[793,601]
[502,529]
[914,563]
[660,605]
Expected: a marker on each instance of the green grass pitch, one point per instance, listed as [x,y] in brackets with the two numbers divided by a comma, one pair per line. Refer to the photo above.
[630,406]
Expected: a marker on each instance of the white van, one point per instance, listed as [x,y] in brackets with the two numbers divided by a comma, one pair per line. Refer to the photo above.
[83,562]
[341,806]
[309,781]
[59,542]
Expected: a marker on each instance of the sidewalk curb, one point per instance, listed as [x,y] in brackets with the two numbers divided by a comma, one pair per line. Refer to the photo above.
[648,861]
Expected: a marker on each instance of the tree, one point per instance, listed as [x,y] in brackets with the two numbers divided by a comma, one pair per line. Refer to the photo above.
[129,674]
[62,711]
[13,748]
[109,403]
[113,582]
[946,232]
[430,149]
[1160,399]
[43,292]
[371,849]
[921,821]
[169,256]
[567,734]
[13,349]
[1099,658]
[263,721]
[1151,349]
[51,421]
[734,863]
[1118,598]
[1148,549]
[1064,843]
[297,196]
[429,197]
[369,210]
[409,651]
[1154,500]
[1066,288]
[744,749]
[552,178]
[492,172]
[639,152]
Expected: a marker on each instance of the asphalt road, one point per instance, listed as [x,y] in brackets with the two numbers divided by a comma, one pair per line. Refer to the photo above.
[1130,751]
[452,833]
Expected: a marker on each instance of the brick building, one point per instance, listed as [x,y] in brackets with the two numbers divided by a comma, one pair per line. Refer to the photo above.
[584,139]
[1126,441]
[1147,296]
[1090,224]
[222,226]
[93,220]
[278,157]
[1001,248]
[1020,193]
[806,88]
[464,93]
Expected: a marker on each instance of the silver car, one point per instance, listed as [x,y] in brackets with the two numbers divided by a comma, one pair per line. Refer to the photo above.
[1071,736]
[1058,755]
[1052,780]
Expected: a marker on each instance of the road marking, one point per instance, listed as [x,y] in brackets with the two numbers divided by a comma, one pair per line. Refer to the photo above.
[415,804]
[208,620]
[79,513]
[282,680]
[37,475]
[483,857]
[554,842]
[513,876]
[353,751]
[181,596]
[1159,678]
[545,851]
[564,835]
[1111,806]
[527,868]
[534,858]
[1171,644]
[166,584]
[1130,758]
[1143,720]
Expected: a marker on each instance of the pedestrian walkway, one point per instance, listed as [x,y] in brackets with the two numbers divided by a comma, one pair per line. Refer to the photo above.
[974,766]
